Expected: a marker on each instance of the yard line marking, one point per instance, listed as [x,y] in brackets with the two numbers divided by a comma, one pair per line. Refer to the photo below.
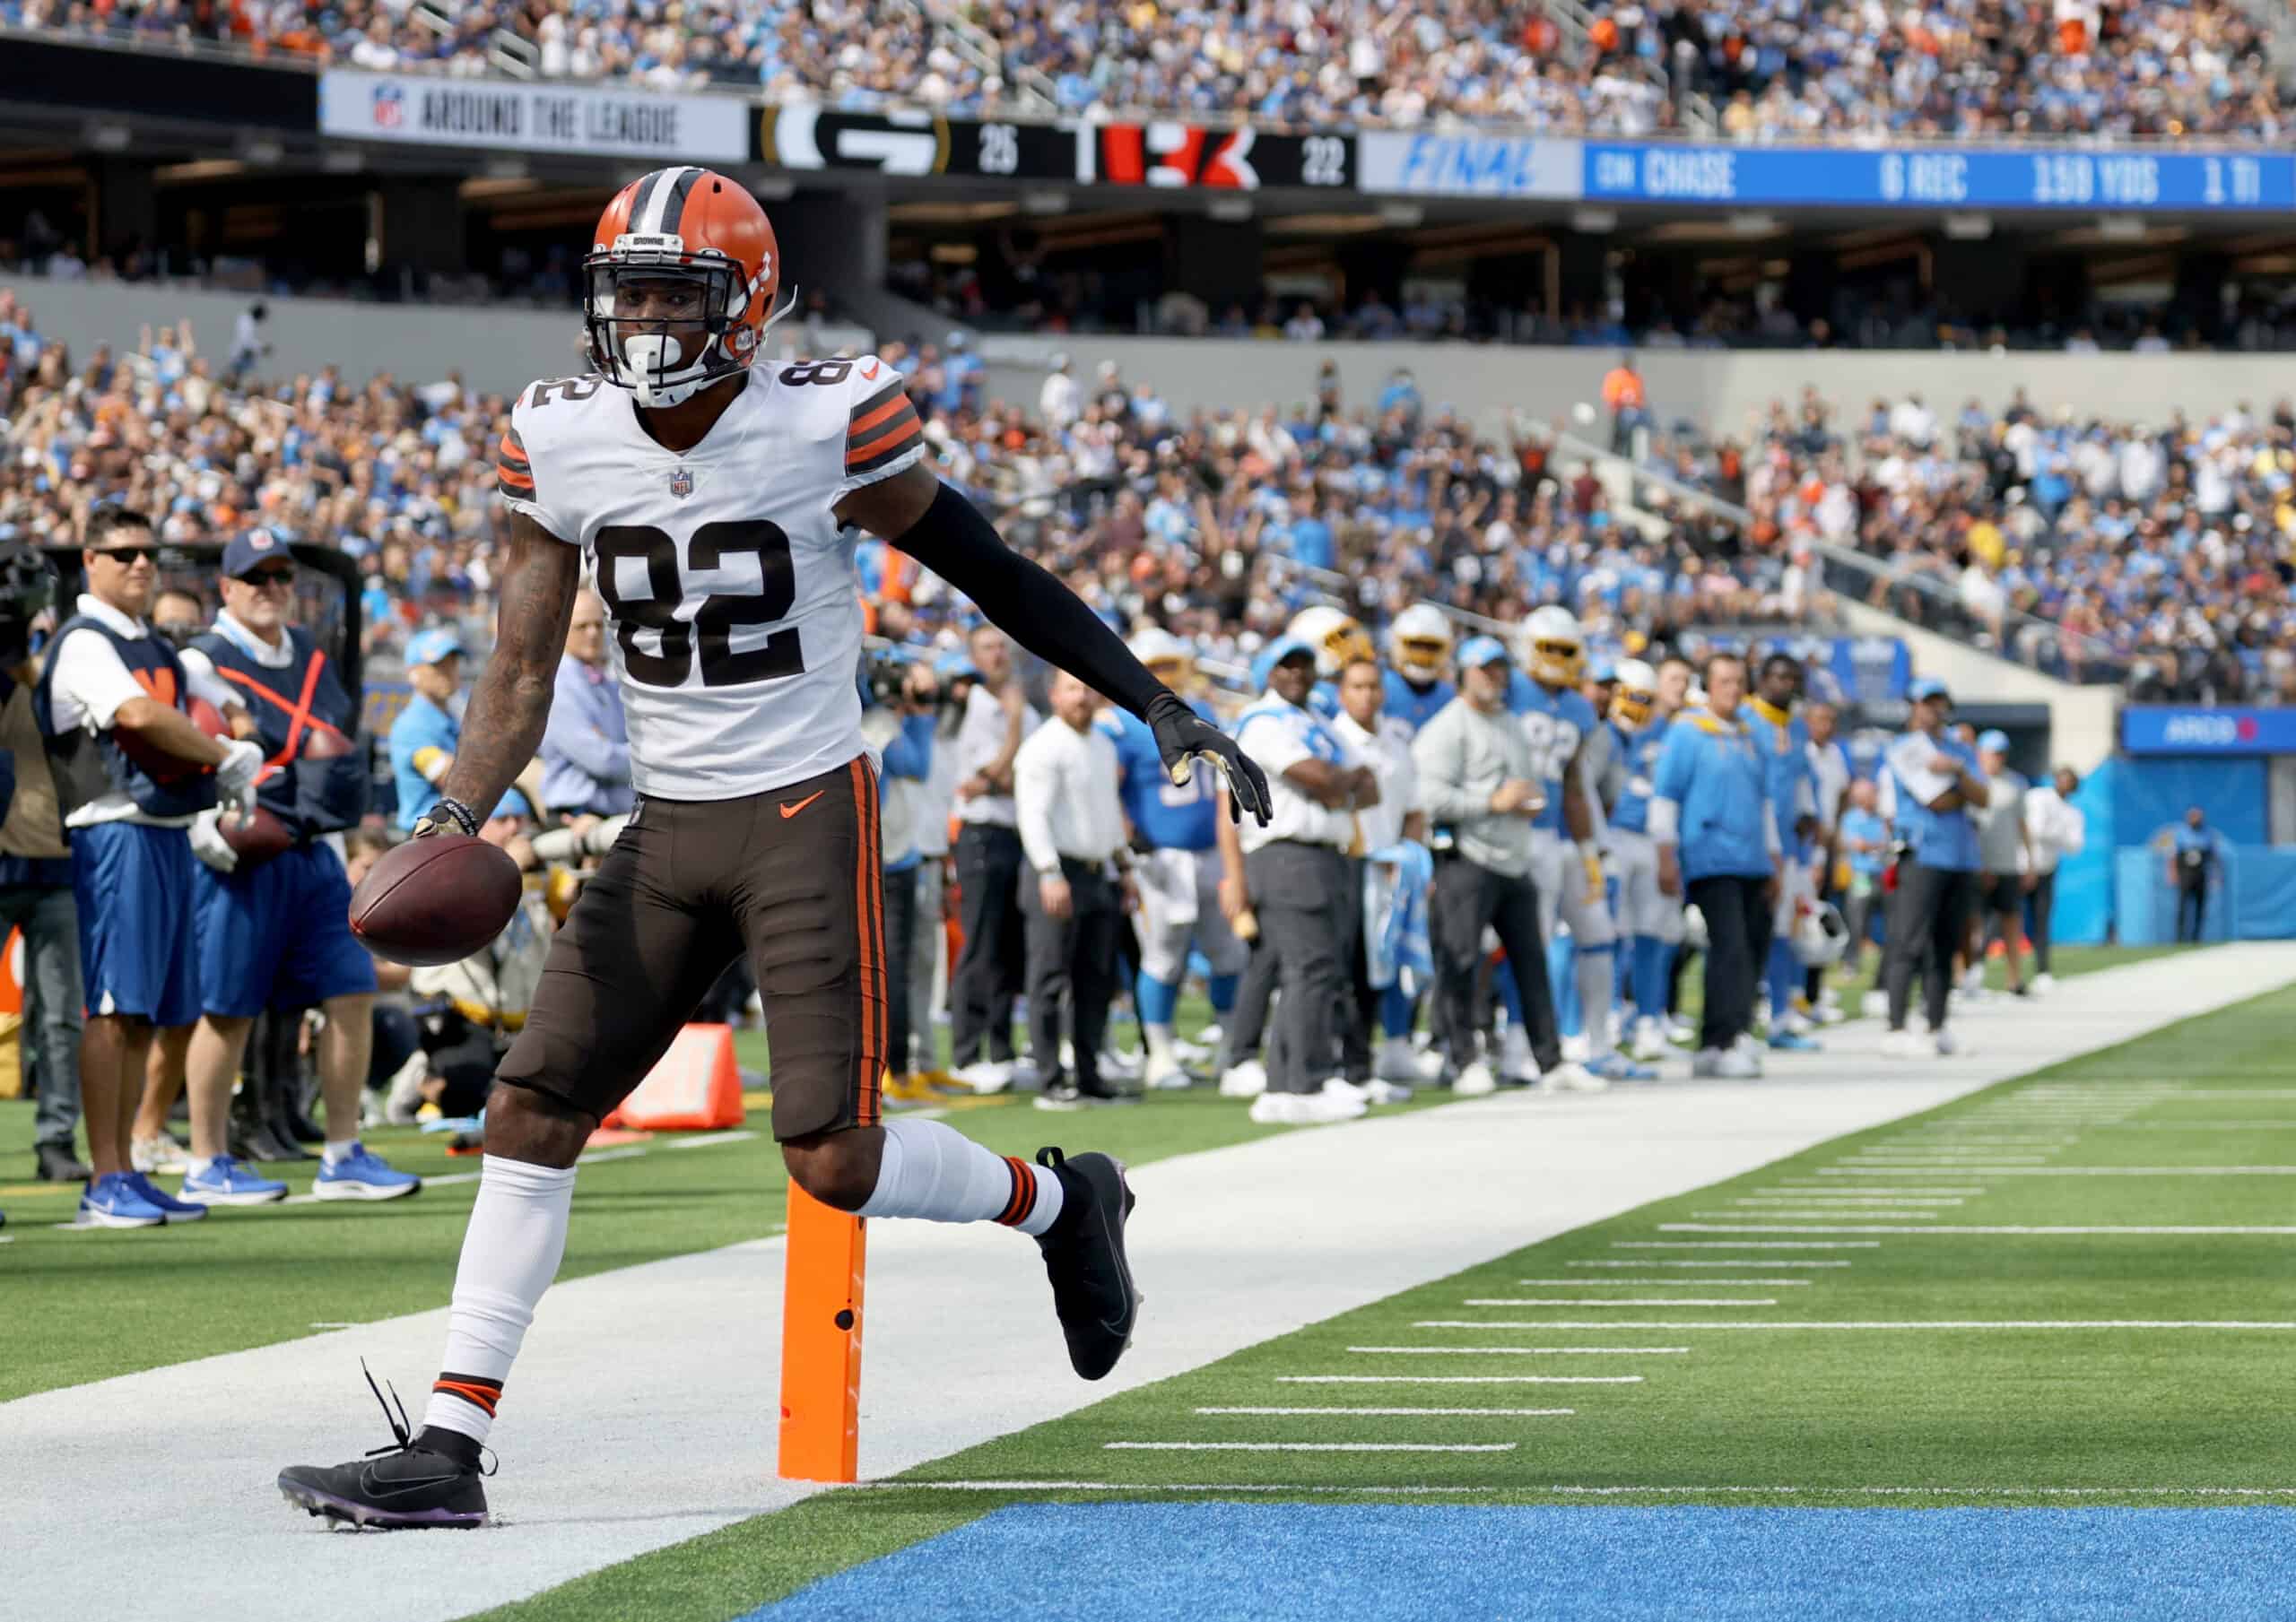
[1400,1413]
[903,1485]
[1716,1228]
[1734,1261]
[704,1140]
[1458,1379]
[631,1153]
[1890,1324]
[1601,1301]
[1816,1211]
[1149,1487]
[2273,1123]
[1312,1447]
[2145,1171]
[1744,1245]
[1529,1351]
[1644,1283]
[1811,1188]
[335,1324]
[1846,1198]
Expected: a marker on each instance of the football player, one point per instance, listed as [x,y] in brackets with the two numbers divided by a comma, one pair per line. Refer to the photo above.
[1558,720]
[1419,653]
[1337,638]
[1176,828]
[720,502]
[1651,919]
[1784,740]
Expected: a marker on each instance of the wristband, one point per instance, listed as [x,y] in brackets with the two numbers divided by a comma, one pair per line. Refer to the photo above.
[456,812]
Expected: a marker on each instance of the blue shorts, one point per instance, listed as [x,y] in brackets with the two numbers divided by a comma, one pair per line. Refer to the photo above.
[278,935]
[138,938]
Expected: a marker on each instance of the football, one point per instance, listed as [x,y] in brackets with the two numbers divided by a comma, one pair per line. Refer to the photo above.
[436,901]
[257,838]
[326,743]
[164,766]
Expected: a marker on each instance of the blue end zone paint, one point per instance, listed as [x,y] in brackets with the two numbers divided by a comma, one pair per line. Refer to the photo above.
[1287,1563]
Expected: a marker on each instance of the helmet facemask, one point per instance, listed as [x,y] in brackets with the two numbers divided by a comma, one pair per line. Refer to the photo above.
[665,323]
[1422,658]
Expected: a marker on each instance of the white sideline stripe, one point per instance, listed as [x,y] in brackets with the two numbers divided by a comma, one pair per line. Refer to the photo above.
[7,1238]
[1458,1379]
[1405,1413]
[1588,1492]
[1815,1190]
[1716,1228]
[360,1323]
[1735,1262]
[1645,1283]
[1532,1351]
[628,1152]
[1605,1301]
[2233,1092]
[2271,1123]
[1890,1324]
[1312,1447]
[1757,1244]
[704,1140]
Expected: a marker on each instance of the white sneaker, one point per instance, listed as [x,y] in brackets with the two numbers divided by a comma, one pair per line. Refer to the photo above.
[1515,1059]
[1339,1086]
[1798,1023]
[1681,1032]
[1905,1044]
[1305,1109]
[1705,1064]
[1026,1077]
[1579,1048]
[1946,1043]
[1732,1064]
[2043,984]
[1650,1044]
[1378,1091]
[1749,1048]
[1120,1064]
[1393,1061]
[159,1154]
[1476,1081]
[405,1097]
[1245,1081]
[983,1076]
[1874,1006]
[1172,1079]
[1569,1077]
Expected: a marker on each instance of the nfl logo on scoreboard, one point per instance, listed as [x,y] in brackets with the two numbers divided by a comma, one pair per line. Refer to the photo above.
[682,483]
[390,106]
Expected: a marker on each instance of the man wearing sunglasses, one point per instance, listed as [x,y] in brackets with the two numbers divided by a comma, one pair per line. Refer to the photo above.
[132,772]
[275,932]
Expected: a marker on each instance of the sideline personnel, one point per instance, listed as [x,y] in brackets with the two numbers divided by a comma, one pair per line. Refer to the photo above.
[1933,783]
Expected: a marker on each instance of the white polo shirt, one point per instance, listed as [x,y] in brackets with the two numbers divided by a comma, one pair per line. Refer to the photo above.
[1064,786]
[1277,735]
[87,685]
[1387,750]
[980,740]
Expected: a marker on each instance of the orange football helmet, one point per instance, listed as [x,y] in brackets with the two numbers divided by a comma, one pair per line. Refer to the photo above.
[679,285]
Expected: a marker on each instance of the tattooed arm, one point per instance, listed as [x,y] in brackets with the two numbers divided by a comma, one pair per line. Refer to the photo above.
[511,705]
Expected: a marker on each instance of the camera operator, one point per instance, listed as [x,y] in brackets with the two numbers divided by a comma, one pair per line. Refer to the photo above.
[36,875]
[903,703]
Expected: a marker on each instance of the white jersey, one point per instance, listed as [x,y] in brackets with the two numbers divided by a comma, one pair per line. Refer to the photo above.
[732,590]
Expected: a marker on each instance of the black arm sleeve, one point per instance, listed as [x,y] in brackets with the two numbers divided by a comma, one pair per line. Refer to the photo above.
[1021,599]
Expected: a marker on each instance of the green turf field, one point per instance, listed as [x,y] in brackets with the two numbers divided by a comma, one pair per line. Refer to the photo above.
[2150,1400]
[88,1305]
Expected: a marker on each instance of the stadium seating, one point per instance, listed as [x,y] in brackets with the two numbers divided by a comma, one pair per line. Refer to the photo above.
[1759,69]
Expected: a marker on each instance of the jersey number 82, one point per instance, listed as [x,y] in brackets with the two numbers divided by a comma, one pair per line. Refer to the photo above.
[709,634]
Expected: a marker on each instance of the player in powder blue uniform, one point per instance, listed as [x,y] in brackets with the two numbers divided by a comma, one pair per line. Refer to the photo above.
[1650,919]
[1419,653]
[1174,826]
[1784,740]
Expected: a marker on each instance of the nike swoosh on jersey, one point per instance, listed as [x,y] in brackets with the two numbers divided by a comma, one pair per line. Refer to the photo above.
[789,811]
[870,372]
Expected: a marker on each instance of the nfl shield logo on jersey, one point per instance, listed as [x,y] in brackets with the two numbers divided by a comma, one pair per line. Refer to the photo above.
[682,483]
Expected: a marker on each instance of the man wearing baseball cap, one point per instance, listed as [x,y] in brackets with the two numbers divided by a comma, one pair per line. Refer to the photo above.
[274,932]
[427,732]
[1932,783]
[2006,854]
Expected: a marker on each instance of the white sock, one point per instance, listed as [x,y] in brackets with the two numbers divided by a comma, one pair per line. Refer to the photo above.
[511,1250]
[936,1173]
[334,1152]
[1159,1041]
[1594,975]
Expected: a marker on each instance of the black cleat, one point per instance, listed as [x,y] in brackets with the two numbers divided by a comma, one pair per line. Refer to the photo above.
[1083,1253]
[410,1486]
[58,1164]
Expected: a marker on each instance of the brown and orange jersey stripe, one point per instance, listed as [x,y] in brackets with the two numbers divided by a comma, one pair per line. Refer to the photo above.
[514,474]
[882,429]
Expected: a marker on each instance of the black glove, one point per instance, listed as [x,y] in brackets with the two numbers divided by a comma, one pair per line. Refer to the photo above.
[1182,735]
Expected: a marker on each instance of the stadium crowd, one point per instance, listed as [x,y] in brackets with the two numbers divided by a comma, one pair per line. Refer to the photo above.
[2163,68]
[1255,545]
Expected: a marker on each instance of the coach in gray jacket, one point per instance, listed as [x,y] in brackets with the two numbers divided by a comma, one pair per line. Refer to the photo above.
[1479,786]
